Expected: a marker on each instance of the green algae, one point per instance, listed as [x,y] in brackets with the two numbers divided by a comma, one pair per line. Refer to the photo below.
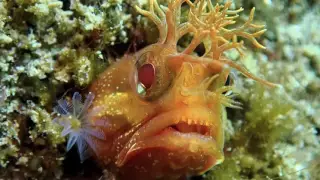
[276,135]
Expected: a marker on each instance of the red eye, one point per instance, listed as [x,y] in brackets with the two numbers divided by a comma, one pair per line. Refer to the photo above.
[146,75]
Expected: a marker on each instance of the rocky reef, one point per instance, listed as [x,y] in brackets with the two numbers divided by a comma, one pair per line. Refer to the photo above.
[50,48]
[276,134]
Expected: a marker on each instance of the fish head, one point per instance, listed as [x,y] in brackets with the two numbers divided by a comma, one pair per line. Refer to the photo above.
[162,114]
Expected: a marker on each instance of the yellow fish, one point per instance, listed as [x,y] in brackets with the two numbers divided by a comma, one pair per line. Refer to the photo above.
[162,108]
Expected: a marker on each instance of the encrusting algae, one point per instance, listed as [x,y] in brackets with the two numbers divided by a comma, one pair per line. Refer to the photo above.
[46,48]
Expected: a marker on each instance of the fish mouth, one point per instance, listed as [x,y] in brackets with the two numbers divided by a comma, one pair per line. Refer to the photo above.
[191,131]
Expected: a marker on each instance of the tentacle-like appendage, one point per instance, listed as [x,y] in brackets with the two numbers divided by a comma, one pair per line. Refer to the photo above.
[173,14]
[211,21]
[233,45]
[246,73]
[242,31]
[207,82]
[156,15]
[195,42]
[229,102]
[224,95]
[218,66]
[183,29]
[77,123]
[208,25]
[160,12]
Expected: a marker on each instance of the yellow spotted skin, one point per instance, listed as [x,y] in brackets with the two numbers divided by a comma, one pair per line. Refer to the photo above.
[115,95]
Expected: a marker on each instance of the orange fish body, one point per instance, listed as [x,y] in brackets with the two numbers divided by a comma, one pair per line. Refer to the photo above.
[177,133]
[163,109]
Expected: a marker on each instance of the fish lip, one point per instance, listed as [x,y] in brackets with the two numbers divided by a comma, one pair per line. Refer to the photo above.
[187,146]
[157,126]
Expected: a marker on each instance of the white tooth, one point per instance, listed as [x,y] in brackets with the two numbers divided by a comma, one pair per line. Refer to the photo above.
[195,121]
[183,119]
[191,116]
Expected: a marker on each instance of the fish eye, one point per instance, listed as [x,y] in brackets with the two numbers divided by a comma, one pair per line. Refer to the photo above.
[146,77]
[152,77]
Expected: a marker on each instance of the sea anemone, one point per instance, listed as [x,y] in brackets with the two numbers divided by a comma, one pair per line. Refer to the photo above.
[77,123]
